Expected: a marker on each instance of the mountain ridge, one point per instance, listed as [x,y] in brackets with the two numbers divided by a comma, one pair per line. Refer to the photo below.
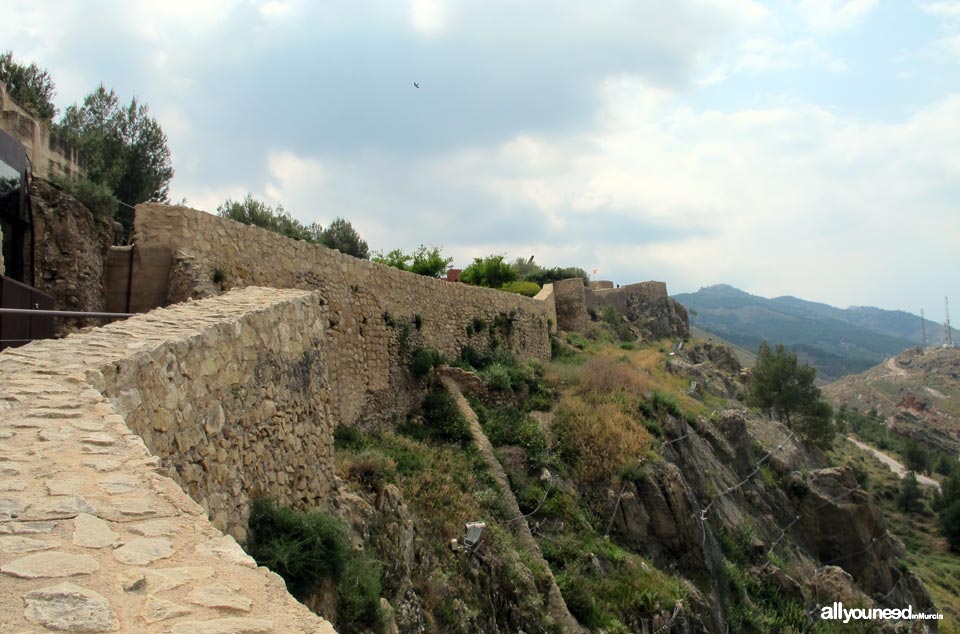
[836,341]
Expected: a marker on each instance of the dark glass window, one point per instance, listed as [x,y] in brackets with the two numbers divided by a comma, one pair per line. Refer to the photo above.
[12,219]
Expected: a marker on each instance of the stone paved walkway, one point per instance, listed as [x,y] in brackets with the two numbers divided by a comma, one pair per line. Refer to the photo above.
[92,537]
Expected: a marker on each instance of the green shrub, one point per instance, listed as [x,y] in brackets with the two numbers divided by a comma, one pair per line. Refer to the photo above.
[345,437]
[617,324]
[510,426]
[96,197]
[307,548]
[548,276]
[303,548]
[370,468]
[358,596]
[653,427]
[474,358]
[424,359]
[663,403]
[561,353]
[491,271]
[527,289]
[443,418]
[577,340]
[497,376]
[633,472]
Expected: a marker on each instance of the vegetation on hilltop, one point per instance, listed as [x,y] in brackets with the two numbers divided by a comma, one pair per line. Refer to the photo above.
[428,261]
[251,211]
[31,86]
[339,235]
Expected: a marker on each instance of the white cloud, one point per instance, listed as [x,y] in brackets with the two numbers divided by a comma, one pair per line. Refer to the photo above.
[831,16]
[296,181]
[946,10]
[428,17]
[767,54]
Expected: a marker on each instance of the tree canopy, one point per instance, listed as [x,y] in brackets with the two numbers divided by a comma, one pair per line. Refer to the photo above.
[31,86]
[341,235]
[492,271]
[251,211]
[122,147]
[782,387]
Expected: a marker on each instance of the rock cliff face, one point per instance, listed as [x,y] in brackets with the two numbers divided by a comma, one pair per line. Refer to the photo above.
[70,245]
[658,318]
[739,488]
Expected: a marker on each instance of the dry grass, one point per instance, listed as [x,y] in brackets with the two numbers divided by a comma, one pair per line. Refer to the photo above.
[598,439]
[605,375]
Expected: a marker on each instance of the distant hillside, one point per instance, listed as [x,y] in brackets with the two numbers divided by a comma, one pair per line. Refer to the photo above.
[917,392]
[836,341]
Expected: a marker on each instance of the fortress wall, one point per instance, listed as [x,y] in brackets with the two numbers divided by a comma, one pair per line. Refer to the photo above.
[239,407]
[618,297]
[369,306]
[571,306]
[49,156]
[229,396]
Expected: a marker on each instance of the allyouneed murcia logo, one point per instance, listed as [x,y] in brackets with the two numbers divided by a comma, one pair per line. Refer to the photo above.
[837,612]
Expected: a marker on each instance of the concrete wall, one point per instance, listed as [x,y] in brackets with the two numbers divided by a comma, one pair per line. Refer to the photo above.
[229,395]
[370,305]
[48,155]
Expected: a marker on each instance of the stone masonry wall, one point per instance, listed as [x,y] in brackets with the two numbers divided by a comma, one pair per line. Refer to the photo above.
[229,396]
[48,155]
[620,298]
[571,305]
[239,409]
[370,306]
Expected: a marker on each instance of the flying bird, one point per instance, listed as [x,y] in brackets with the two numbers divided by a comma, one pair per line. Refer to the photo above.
[416,85]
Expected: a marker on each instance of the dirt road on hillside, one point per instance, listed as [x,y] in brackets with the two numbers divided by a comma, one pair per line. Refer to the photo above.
[896,369]
[894,465]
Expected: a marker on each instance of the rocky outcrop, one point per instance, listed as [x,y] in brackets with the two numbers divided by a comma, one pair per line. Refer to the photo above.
[841,527]
[658,318]
[70,246]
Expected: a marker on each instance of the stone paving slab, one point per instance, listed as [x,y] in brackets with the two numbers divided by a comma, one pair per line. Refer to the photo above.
[92,537]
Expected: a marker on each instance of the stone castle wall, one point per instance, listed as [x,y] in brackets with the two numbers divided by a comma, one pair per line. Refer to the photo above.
[230,397]
[620,298]
[374,311]
[571,304]
[48,155]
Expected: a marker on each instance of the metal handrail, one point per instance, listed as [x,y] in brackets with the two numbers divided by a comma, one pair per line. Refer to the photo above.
[63,313]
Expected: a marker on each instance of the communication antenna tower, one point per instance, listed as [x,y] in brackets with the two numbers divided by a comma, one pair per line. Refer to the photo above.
[923,328]
[946,325]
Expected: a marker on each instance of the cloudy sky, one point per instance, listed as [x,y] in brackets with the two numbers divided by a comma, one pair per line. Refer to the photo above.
[802,147]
